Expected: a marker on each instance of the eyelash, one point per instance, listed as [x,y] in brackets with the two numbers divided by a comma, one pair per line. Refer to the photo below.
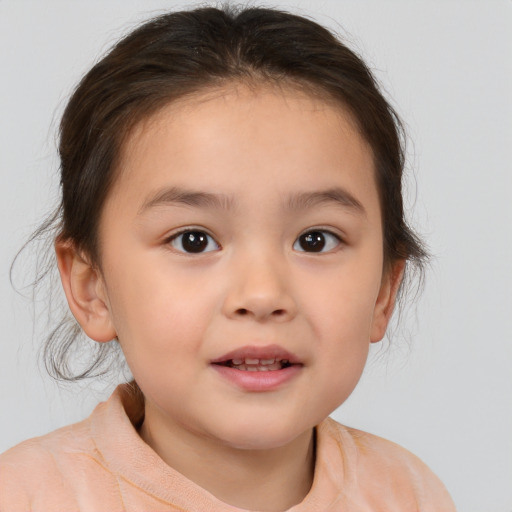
[326,234]
[318,238]
[192,231]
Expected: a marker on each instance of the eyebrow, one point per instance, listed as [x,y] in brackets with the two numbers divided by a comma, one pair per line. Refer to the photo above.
[296,202]
[178,195]
[337,196]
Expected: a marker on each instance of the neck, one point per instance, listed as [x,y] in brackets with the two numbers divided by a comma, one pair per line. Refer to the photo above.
[270,480]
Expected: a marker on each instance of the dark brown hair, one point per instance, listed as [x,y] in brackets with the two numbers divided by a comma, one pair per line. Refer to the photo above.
[181,53]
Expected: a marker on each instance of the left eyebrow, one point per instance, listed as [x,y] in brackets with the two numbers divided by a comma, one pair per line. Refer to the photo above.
[337,196]
[180,196]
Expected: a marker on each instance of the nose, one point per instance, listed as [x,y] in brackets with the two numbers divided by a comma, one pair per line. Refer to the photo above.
[260,289]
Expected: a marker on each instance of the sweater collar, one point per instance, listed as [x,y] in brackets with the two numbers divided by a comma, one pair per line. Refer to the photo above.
[114,428]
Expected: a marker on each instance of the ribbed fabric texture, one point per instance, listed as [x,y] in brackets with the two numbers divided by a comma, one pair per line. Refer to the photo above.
[101,464]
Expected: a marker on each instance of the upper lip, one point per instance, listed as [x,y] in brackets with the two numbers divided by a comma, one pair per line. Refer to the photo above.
[259,352]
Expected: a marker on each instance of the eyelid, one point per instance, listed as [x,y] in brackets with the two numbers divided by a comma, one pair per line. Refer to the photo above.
[319,229]
[176,234]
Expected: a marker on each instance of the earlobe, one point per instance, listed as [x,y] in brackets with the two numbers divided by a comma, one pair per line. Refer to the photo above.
[85,292]
[386,300]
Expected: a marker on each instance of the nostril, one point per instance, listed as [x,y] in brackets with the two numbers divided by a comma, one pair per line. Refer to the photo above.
[275,313]
[262,313]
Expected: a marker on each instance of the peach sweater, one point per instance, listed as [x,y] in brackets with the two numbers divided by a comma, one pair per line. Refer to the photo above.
[101,464]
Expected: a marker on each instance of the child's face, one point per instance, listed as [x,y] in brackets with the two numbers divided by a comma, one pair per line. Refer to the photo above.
[247,175]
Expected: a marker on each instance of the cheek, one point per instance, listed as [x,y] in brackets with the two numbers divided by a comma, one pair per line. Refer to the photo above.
[341,308]
[343,342]
[342,302]
[155,316]
[343,337]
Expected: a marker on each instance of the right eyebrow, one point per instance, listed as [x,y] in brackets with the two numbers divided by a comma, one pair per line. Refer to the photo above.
[180,196]
[336,196]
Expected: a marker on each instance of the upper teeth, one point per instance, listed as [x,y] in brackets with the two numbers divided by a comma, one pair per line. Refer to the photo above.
[249,360]
[253,364]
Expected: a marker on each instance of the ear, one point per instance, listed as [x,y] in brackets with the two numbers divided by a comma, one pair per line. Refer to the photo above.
[85,292]
[386,299]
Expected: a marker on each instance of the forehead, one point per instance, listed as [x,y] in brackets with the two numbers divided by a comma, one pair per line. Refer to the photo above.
[239,134]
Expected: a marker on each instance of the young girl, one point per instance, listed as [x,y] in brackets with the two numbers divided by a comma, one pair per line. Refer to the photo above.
[232,217]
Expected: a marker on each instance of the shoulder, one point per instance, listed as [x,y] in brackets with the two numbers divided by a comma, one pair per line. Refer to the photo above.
[68,468]
[45,462]
[385,469]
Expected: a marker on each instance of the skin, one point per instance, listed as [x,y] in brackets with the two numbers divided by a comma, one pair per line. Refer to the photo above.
[173,312]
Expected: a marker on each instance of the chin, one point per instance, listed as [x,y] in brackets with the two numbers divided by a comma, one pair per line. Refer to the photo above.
[262,435]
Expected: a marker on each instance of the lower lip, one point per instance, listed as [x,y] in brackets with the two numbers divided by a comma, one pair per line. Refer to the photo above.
[258,381]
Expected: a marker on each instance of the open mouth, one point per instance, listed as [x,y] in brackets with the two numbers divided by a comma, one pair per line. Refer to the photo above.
[256,368]
[256,365]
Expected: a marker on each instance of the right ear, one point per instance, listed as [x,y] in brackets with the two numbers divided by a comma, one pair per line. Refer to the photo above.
[85,292]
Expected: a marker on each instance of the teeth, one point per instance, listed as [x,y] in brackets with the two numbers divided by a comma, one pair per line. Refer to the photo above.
[254,361]
[258,367]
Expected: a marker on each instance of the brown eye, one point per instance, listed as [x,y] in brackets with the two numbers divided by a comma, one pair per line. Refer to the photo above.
[316,241]
[194,242]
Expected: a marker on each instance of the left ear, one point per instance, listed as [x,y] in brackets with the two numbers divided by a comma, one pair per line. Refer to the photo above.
[386,299]
[85,292]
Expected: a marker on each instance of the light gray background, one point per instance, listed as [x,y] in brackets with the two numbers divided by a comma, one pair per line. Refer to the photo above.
[447,394]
